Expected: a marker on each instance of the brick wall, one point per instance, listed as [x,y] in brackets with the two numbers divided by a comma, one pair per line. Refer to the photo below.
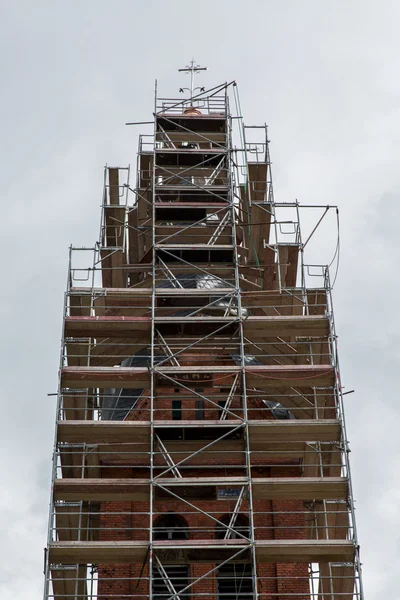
[272,519]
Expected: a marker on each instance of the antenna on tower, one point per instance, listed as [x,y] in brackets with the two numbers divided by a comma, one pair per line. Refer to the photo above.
[192,69]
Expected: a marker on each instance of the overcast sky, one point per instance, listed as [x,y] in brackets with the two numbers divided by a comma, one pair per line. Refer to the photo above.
[325,76]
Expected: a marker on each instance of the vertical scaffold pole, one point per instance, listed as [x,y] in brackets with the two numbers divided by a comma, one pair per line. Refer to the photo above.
[242,363]
[152,343]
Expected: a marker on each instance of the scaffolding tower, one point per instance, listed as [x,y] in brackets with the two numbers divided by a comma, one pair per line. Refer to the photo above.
[200,446]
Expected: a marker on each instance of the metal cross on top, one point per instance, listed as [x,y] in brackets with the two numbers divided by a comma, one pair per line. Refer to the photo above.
[192,69]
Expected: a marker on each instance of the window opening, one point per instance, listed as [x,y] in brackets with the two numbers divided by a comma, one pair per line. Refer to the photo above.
[178,576]
[221,406]
[235,582]
[240,526]
[199,407]
[170,527]
[176,410]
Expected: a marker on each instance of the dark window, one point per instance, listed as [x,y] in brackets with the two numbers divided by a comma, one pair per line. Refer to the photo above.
[235,582]
[199,405]
[177,410]
[239,527]
[170,576]
[221,405]
[170,527]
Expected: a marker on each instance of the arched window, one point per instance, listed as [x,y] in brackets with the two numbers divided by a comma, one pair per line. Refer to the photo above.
[170,579]
[234,580]
[239,525]
[170,527]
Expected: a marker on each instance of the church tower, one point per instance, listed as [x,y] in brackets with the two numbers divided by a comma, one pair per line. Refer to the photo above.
[200,447]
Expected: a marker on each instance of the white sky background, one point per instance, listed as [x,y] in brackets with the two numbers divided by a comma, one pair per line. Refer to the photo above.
[325,76]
